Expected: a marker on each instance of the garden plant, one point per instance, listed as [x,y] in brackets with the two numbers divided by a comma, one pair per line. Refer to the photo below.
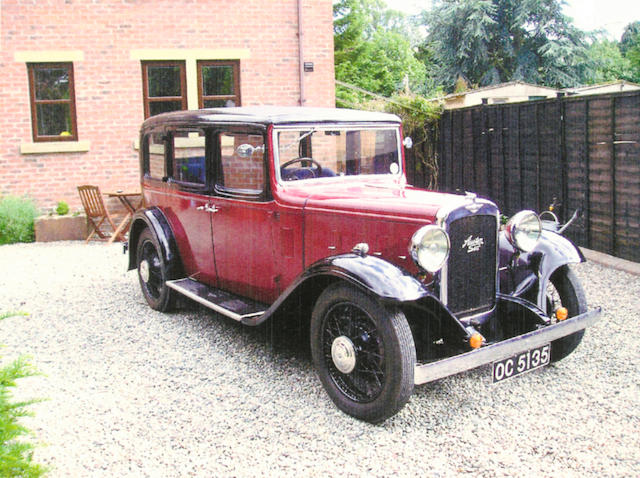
[16,453]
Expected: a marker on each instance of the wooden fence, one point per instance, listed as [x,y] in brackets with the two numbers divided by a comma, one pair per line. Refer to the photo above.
[579,152]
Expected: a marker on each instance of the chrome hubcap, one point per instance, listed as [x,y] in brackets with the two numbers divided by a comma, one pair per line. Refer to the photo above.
[343,354]
[144,271]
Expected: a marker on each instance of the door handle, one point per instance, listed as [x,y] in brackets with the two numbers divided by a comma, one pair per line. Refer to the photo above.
[208,208]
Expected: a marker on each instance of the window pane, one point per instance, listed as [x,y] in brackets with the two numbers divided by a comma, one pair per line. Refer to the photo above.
[239,171]
[157,107]
[343,152]
[189,157]
[164,81]
[217,80]
[54,119]
[219,103]
[51,83]
[155,150]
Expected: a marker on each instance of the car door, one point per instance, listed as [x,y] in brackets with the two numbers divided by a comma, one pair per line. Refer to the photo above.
[188,205]
[244,215]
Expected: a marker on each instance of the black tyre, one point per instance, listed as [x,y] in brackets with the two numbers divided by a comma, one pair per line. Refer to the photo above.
[363,353]
[152,273]
[565,290]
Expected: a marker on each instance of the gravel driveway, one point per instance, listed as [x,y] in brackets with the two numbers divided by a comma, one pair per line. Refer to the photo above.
[134,392]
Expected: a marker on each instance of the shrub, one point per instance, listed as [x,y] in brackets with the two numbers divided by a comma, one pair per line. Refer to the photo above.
[16,219]
[16,457]
[62,208]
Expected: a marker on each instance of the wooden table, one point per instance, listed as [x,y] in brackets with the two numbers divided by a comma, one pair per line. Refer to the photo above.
[131,202]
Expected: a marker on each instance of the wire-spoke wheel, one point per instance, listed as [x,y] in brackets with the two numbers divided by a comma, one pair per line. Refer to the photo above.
[363,352]
[152,272]
[564,290]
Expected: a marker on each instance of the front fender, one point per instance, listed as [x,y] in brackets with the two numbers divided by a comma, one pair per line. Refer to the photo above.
[369,273]
[557,251]
[519,272]
[376,275]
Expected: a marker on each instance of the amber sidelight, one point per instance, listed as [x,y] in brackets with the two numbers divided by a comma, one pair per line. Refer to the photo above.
[476,341]
[562,313]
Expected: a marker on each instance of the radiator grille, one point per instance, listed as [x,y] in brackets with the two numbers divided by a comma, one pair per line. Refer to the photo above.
[471,268]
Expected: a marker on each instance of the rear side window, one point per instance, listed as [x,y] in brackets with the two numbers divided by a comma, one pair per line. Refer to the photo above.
[189,157]
[155,149]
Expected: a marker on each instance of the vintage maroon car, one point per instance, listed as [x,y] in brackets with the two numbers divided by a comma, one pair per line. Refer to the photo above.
[252,210]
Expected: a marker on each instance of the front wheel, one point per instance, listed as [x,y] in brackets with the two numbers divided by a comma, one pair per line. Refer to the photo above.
[565,290]
[363,353]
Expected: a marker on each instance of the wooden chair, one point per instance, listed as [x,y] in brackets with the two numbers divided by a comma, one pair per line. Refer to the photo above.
[97,214]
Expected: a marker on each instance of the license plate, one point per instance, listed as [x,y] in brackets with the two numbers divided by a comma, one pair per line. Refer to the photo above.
[521,363]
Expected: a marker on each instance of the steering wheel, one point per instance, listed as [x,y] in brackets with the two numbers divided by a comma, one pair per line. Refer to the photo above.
[291,175]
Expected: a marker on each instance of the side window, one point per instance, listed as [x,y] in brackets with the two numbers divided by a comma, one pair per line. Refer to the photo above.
[164,87]
[218,84]
[154,162]
[189,153]
[53,103]
[242,163]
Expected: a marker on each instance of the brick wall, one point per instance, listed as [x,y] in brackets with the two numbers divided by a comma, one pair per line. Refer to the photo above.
[108,82]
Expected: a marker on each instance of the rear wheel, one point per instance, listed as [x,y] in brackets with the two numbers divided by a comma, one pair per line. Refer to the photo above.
[363,353]
[152,273]
[565,290]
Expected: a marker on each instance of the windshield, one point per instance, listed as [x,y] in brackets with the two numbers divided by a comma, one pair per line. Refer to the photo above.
[321,152]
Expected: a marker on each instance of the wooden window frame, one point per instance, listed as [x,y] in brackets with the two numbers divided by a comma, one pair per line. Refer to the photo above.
[236,81]
[31,68]
[145,84]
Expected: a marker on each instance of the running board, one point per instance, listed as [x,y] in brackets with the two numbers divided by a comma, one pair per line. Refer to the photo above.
[225,303]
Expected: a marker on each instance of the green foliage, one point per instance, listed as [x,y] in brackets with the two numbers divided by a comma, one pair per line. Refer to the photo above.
[373,51]
[461,85]
[16,219]
[16,456]
[416,111]
[494,41]
[420,118]
[62,208]
[630,37]
[6,315]
[630,48]
[608,62]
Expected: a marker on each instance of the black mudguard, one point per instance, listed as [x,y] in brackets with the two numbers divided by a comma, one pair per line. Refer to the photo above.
[522,273]
[155,220]
[371,274]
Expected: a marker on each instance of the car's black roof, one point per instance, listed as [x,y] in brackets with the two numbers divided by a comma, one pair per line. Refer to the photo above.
[266,115]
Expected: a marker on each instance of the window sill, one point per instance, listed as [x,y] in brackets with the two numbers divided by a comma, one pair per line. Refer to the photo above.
[55,147]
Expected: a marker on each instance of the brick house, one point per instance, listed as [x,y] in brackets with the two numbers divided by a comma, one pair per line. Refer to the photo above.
[79,77]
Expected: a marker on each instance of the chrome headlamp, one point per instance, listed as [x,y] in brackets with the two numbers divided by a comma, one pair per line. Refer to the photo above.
[430,248]
[523,230]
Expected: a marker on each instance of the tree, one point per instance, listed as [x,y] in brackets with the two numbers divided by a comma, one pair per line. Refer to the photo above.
[630,37]
[630,48]
[608,62]
[494,41]
[373,50]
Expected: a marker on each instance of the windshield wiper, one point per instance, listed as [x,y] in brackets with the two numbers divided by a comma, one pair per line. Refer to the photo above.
[308,133]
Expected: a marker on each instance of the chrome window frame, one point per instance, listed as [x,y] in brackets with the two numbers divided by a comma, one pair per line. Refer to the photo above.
[334,126]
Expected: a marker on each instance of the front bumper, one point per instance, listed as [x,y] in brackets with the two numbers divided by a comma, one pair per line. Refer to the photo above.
[425,373]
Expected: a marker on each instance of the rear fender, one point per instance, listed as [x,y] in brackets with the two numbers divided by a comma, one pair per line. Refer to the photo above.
[155,220]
